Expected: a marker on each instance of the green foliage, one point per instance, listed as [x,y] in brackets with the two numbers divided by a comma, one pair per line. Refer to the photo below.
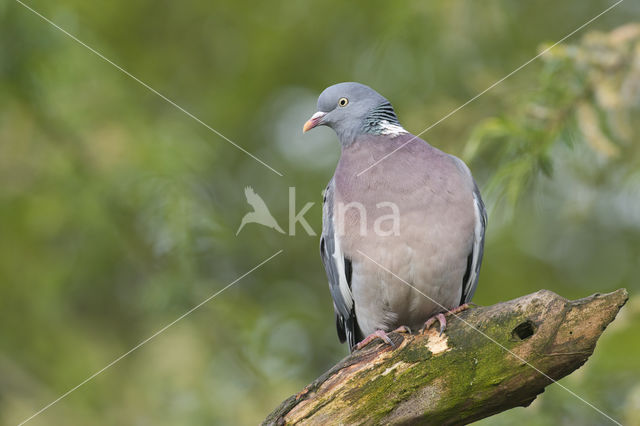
[587,92]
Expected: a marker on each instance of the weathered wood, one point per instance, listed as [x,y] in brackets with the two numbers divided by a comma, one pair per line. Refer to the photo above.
[464,375]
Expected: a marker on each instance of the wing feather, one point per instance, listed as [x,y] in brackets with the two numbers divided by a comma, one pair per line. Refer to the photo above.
[475,257]
[338,269]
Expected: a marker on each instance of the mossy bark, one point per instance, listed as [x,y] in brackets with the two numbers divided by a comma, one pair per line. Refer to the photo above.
[488,360]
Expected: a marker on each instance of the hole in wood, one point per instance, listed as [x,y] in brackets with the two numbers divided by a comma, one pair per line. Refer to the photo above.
[523,331]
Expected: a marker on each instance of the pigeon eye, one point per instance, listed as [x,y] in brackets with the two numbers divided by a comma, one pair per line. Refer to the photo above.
[343,102]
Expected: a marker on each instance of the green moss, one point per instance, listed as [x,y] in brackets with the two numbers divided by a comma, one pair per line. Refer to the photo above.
[415,353]
[459,369]
[317,407]
[372,396]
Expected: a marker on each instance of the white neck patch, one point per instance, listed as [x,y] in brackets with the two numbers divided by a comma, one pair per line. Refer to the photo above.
[389,129]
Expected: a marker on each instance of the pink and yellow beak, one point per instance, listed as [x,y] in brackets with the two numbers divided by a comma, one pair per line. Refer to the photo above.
[313,121]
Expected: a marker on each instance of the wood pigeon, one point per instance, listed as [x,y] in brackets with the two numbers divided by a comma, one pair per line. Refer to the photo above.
[412,223]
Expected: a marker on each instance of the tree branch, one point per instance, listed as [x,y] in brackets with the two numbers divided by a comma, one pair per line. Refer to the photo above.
[463,375]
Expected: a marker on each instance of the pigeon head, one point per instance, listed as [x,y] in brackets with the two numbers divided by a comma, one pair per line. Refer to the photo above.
[351,109]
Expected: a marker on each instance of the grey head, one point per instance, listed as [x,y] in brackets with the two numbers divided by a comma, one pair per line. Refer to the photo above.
[351,109]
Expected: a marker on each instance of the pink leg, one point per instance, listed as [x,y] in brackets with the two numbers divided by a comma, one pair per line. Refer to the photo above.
[438,317]
[378,334]
[442,318]
[459,309]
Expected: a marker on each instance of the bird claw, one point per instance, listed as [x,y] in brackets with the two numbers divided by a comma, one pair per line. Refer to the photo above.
[402,330]
[378,334]
[438,317]
[442,318]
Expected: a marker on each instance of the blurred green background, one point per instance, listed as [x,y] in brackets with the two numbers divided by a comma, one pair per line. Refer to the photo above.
[118,212]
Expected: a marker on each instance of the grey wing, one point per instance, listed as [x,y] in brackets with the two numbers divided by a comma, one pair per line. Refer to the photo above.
[470,281]
[338,269]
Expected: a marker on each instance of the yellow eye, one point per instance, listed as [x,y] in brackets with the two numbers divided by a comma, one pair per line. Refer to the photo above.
[343,102]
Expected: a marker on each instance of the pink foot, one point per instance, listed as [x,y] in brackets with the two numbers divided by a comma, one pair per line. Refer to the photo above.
[459,309]
[438,317]
[378,334]
[402,329]
[442,318]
